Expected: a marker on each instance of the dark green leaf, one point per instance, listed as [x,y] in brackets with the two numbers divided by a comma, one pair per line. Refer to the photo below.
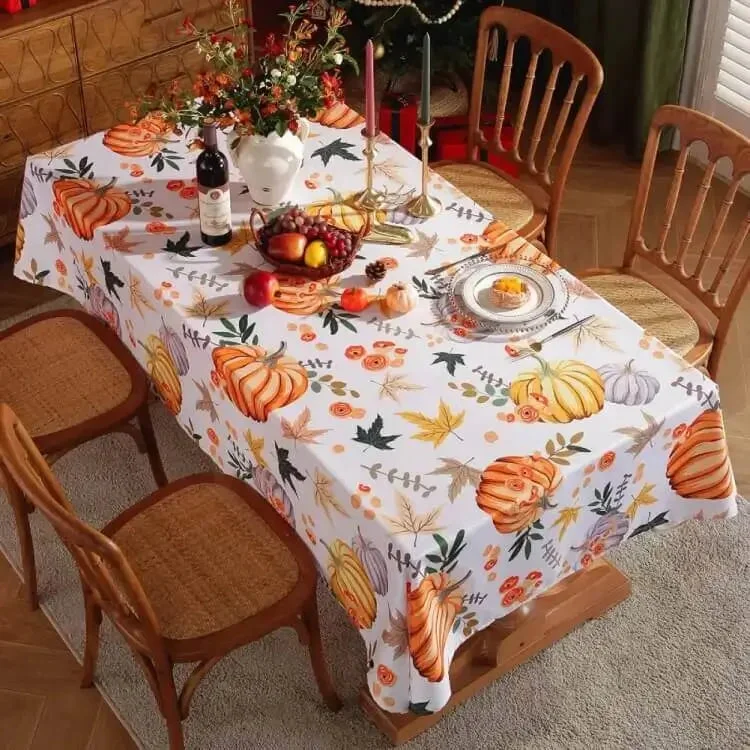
[434,558]
[442,544]
[315,387]
[374,437]
[181,247]
[337,148]
[420,709]
[450,360]
[243,321]
[228,325]
[287,470]
[247,333]
[456,548]
[489,390]
[43,274]
[578,448]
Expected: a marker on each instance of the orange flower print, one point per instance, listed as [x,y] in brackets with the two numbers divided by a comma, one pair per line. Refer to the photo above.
[159,227]
[175,185]
[535,575]
[61,268]
[400,350]
[364,488]
[384,345]
[606,460]
[586,560]
[340,409]
[308,336]
[490,564]
[374,362]
[460,332]
[511,351]
[513,595]
[189,193]
[136,172]
[354,352]
[527,413]
[508,584]
[469,239]
[385,676]
[679,431]
[389,263]
[212,436]
[311,184]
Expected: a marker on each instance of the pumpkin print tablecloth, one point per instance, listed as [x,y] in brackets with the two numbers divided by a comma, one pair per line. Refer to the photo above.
[439,482]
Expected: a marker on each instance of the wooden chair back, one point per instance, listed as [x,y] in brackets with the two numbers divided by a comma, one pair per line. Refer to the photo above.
[564,48]
[721,142]
[104,571]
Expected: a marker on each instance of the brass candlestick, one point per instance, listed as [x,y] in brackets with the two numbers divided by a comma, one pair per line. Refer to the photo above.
[369,199]
[424,205]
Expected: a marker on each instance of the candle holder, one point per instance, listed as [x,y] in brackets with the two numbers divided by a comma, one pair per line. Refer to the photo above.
[369,199]
[424,205]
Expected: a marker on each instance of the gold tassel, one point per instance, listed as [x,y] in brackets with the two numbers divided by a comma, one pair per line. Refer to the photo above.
[494,46]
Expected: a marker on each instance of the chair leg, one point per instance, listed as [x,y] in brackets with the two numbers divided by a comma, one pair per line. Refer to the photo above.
[154,459]
[320,668]
[93,626]
[26,543]
[169,704]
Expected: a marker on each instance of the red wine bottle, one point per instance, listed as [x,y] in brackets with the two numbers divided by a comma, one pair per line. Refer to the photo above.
[212,168]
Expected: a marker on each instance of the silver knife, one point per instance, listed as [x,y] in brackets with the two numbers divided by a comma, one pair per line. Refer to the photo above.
[536,346]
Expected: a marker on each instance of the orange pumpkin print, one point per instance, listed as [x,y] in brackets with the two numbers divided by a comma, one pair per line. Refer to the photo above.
[698,464]
[86,205]
[258,382]
[339,116]
[145,138]
[514,490]
[351,585]
[431,610]
[163,372]
[295,298]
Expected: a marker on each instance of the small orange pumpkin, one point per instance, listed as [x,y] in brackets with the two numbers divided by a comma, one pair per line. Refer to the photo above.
[86,205]
[698,466]
[258,382]
[339,116]
[514,490]
[432,609]
[163,372]
[145,138]
[351,585]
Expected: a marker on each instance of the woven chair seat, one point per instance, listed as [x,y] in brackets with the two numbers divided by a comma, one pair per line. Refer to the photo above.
[56,373]
[206,560]
[653,310]
[503,200]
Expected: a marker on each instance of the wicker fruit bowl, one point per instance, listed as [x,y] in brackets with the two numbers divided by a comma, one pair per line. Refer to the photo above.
[297,244]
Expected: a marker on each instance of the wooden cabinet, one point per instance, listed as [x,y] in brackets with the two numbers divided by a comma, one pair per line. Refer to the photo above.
[69,68]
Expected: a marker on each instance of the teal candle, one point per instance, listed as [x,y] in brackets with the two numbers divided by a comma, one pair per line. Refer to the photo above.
[424,112]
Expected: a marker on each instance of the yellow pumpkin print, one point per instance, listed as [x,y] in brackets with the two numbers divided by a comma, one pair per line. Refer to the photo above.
[163,372]
[351,585]
[561,391]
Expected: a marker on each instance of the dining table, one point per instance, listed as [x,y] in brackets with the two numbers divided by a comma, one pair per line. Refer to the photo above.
[459,490]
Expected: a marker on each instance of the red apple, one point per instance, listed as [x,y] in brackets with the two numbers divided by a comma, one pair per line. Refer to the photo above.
[288,246]
[260,287]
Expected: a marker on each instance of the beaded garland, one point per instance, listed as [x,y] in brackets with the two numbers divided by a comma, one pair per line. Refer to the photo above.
[409,4]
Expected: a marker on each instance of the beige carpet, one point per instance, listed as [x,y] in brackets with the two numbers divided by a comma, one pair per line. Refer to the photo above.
[669,668]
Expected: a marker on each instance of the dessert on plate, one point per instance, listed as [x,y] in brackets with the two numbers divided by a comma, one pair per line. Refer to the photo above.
[509,292]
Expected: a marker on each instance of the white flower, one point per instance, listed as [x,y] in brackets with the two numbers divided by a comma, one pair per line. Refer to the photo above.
[291,80]
[338,58]
[275,73]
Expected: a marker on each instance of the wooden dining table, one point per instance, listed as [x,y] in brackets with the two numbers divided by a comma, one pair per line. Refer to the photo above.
[459,490]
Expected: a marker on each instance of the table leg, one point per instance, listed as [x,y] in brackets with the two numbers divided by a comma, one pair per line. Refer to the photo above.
[512,640]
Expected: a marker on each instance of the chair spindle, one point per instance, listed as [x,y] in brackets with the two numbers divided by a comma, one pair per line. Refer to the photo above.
[695,214]
[674,194]
[524,105]
[562,120]
[734,248]
[503,94]
[716,227]
[542,118]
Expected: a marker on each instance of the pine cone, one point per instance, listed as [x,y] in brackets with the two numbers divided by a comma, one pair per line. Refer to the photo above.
[375,271]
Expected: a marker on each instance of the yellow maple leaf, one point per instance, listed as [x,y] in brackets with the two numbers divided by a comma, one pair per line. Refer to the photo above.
[644,497]
[242,236]
[256,445]
[435,430]
[565,517]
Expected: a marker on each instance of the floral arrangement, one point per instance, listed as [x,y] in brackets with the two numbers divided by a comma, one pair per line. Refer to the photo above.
[294,77]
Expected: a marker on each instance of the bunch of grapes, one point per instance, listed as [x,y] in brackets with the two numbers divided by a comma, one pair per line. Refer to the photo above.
[340,243]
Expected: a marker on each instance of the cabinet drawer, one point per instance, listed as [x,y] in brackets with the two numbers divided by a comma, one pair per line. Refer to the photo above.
[39,123]
[36,60]
[10,199]
[108,94]
[124,30]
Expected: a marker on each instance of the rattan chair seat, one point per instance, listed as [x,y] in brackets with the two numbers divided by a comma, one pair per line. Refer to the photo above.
[653,310]
[502,199]
[56,373]
[206,560]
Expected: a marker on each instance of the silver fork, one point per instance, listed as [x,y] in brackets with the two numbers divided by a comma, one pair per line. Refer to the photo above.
[536,346]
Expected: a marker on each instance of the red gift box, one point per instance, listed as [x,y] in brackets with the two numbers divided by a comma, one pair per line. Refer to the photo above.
[451,137]
[398,119]
[13,6]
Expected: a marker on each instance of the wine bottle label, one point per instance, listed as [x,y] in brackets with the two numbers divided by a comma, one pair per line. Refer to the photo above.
[215,210]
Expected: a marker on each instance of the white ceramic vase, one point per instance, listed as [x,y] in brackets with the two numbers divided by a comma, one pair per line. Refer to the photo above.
[269,164]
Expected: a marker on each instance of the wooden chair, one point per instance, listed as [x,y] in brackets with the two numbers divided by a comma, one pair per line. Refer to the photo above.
[188,574]
[71,379]
[530,209]
[649,302]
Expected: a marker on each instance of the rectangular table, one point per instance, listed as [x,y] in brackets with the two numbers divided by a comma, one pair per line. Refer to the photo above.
[441,484]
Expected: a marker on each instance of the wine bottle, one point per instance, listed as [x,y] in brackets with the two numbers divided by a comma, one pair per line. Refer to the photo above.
[212,168]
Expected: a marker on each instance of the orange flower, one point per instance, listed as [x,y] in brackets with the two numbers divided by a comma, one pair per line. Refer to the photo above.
[606,460]
[510,417]
[159,227]
[212,436]
[511,351]
[597,548]
[311,184]
[364,488]
[374,362]
[400,350]
[535,575]
[389,263]
[490,564]
[189,193]
[460,332]
[512,596]
[385,676]
[136,172]
[508,584]
[469,239]
[383,344]
[175,185]
[354,352]
[542,399]
[60,266]
[586,560]
[340,409]
[308,336]
[527,413]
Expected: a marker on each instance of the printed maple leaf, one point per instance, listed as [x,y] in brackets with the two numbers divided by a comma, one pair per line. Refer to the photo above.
[299,429]
[324,496]
[241,236]
[118,241]
[652,523]
[579,289]
[287,470]
[373,436]
[202,308]
[397,637]
[641,436]
[53,235]
[392,385]
[138,299]
[409,521]
[206,402]
[449,359]
[435,430]
[423,246]
[111,280]
[645,496]
[256,445]
[390,169]
[336,148]
[461,475]
[181,247]
[565,517]
[87,265]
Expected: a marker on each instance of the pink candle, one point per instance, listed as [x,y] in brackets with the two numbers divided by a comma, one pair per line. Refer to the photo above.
[370,127]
